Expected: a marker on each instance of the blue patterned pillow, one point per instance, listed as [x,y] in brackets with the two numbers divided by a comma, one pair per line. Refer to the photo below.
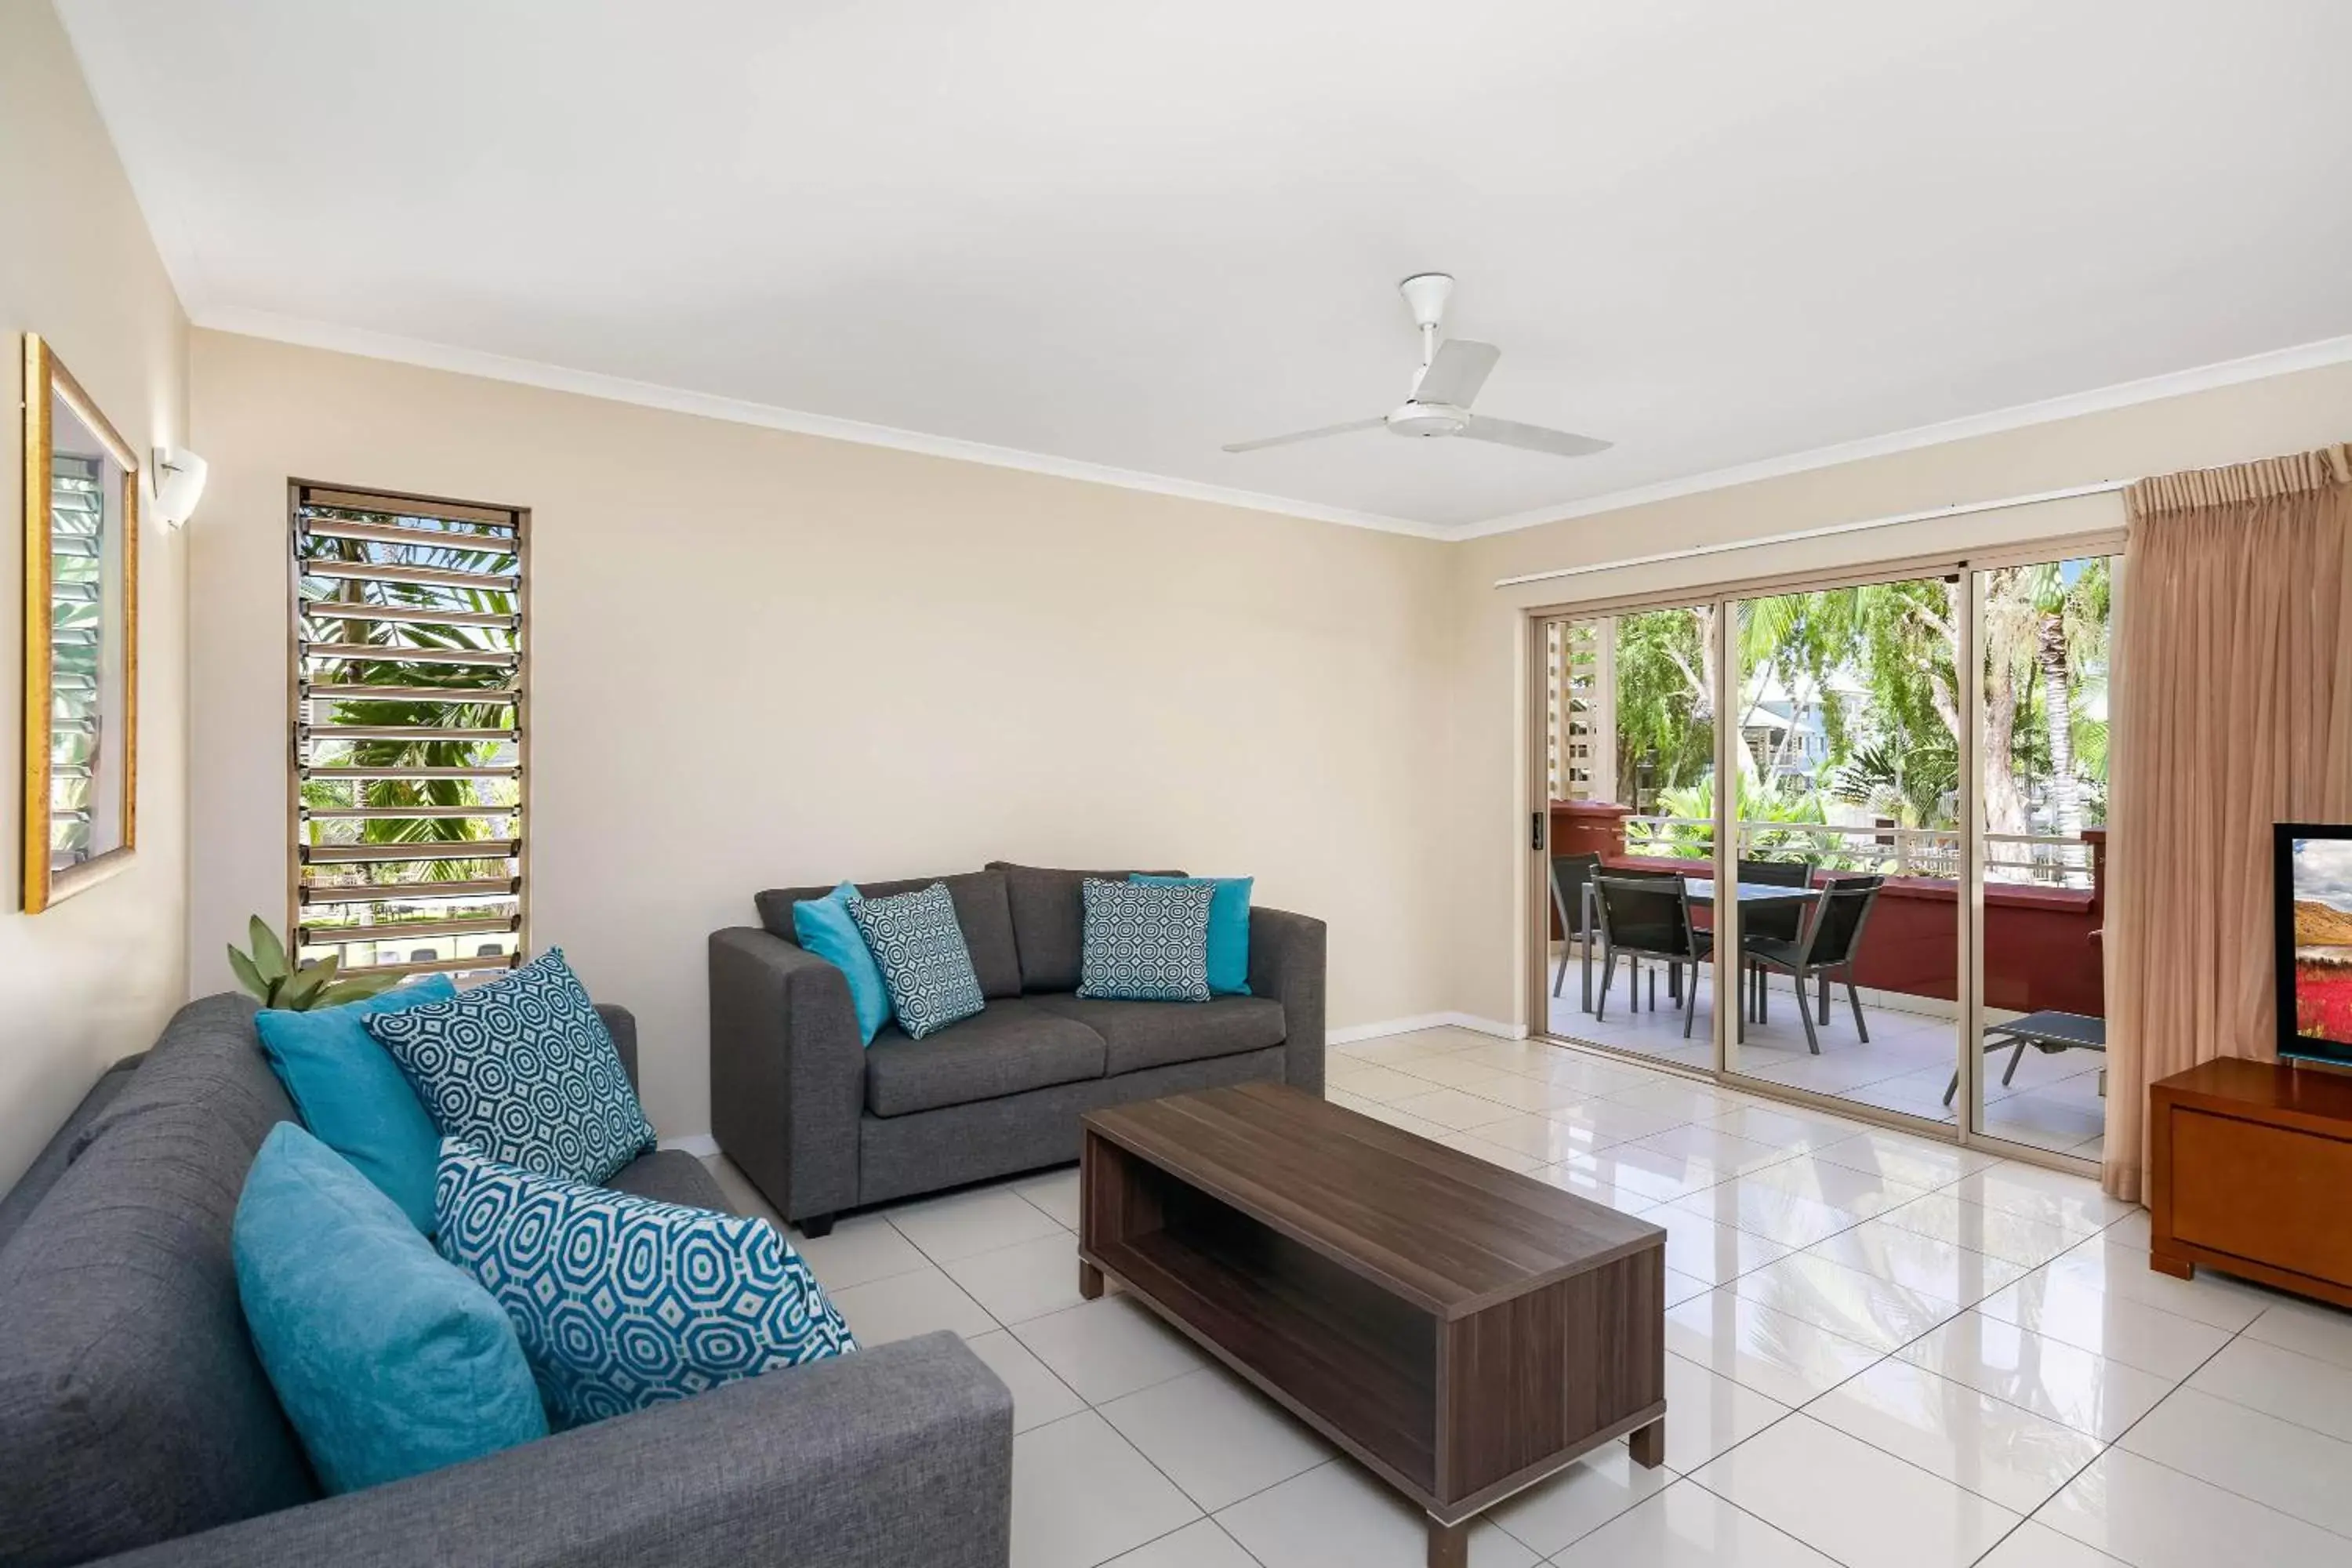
[1145,942]
[523,1070]
[916,940]
[621,1301]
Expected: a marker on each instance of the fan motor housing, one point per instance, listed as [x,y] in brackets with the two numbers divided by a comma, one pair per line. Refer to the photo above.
[1428,419]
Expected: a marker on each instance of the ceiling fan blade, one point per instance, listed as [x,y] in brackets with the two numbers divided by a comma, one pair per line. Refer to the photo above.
[1533,438]
[1455,376]
[1264,442]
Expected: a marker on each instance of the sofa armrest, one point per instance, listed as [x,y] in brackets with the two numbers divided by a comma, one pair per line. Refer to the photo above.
[1285,963]
[896,1454]
[621,1025]
[787,1071]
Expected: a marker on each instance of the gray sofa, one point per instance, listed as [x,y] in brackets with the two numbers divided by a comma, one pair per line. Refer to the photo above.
[820,1124]
[136,1426]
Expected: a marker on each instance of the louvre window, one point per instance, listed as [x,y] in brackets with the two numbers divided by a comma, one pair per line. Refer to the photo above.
[410,683]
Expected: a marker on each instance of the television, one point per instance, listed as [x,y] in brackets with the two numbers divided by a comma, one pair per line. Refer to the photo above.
[2311,891]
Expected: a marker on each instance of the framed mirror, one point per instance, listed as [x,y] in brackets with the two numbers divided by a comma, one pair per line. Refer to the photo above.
[81,636]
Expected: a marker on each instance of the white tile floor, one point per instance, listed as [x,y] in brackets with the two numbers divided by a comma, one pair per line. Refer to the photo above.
[1905,1065]
[1881,1351]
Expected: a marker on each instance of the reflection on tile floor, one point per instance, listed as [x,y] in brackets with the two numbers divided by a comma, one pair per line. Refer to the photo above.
[1880,1350]
[2051,1102]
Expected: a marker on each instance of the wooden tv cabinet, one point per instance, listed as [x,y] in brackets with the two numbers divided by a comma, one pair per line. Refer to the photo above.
[2251,1166]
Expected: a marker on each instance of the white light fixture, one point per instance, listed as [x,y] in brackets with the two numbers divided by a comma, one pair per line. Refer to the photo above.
[179,483]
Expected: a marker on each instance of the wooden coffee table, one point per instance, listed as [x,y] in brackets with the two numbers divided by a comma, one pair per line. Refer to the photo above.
[1463,1331]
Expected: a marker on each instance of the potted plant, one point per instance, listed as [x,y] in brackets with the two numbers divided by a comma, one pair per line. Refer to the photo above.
[269,975]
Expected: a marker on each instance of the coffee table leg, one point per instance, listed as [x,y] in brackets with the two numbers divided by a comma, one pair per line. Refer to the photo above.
[1649,1443]
[1449,1545]
[1090,1282]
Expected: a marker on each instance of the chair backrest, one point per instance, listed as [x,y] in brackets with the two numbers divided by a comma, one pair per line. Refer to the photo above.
[1777,922]
[1778,873]
[1839,916]
[1569,875]
[1648,914]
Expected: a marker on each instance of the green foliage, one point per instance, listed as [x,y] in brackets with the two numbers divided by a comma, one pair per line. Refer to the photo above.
[1911,781]
[1660,699]
[265,973]
[1756,802]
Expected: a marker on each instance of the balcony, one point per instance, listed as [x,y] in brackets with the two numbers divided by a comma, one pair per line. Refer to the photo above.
[2043,911]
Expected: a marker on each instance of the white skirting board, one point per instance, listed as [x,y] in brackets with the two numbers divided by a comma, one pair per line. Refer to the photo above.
[1355,1032]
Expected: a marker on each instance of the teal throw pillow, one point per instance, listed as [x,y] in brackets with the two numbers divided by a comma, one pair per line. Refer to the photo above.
[919,948]
[1228,929]
[388,1360]
[826,928]
[1144,942]
[353,1097]
[622,1303]
[523,1070]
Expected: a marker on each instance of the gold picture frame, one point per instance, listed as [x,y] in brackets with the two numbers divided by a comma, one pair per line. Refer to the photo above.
[82,637]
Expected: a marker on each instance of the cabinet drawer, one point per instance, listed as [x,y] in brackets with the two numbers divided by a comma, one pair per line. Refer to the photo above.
[2263,1193]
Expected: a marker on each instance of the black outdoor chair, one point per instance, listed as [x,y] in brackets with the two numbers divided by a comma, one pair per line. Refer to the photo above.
[1650,917]
[1569,873]
[1840,911]
[1773,922]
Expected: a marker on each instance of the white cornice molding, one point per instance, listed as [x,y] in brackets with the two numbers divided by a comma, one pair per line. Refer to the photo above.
[2154,388]
[708,405]
[739,411]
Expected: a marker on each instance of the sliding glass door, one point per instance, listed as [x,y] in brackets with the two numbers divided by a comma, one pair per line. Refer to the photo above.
[1905,779]
[1847,816]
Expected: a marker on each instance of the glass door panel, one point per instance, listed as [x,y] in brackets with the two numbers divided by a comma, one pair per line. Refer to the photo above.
[1631,743]
[1846,818]
[2042,756]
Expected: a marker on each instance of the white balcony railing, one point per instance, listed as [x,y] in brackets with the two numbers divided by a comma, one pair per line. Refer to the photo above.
[2039,859]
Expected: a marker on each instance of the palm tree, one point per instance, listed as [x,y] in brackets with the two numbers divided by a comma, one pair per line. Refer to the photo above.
[406,662]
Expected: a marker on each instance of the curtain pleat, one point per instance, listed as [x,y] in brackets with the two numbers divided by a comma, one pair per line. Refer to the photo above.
[2232,709]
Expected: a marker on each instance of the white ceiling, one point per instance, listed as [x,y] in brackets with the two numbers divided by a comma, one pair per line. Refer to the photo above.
[1122,234]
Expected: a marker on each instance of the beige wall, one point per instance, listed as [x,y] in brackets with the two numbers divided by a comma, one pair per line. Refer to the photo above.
[94,978]
[1488,954]
[762,658]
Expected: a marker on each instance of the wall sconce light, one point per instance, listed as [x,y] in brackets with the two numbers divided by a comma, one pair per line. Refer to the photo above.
[179,482]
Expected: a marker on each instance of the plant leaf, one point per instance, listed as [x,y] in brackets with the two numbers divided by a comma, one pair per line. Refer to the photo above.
[302,988]
[268,953]
[247,975]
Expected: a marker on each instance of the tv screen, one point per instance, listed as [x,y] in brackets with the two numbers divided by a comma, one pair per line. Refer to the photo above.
[2312,886]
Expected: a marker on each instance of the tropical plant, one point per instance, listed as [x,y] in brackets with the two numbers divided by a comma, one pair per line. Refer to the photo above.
[269,974]
[1913,783]
[1756,802]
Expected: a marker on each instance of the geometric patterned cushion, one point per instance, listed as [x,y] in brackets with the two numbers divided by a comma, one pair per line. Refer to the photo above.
[920,948]
[524,1070]
[621,1303]
[1146,943]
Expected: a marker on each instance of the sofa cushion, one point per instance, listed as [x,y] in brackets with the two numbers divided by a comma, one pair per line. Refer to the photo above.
[390,1360]
[132,1409]
[1018,1043]
[918,945]
[1153,1033]
[1049,920]
[352,1095]
[1146,942]
[623,1302]
[980,907]
[671,1176]
[524,1069]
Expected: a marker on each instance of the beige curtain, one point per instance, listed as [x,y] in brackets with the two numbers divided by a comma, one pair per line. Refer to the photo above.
[2232,709]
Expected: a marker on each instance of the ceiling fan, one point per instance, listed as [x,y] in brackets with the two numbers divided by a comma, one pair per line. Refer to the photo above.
[1442,390]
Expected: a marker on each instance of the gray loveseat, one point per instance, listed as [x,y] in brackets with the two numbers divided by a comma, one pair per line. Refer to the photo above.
[820,1124]
[136,1426]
